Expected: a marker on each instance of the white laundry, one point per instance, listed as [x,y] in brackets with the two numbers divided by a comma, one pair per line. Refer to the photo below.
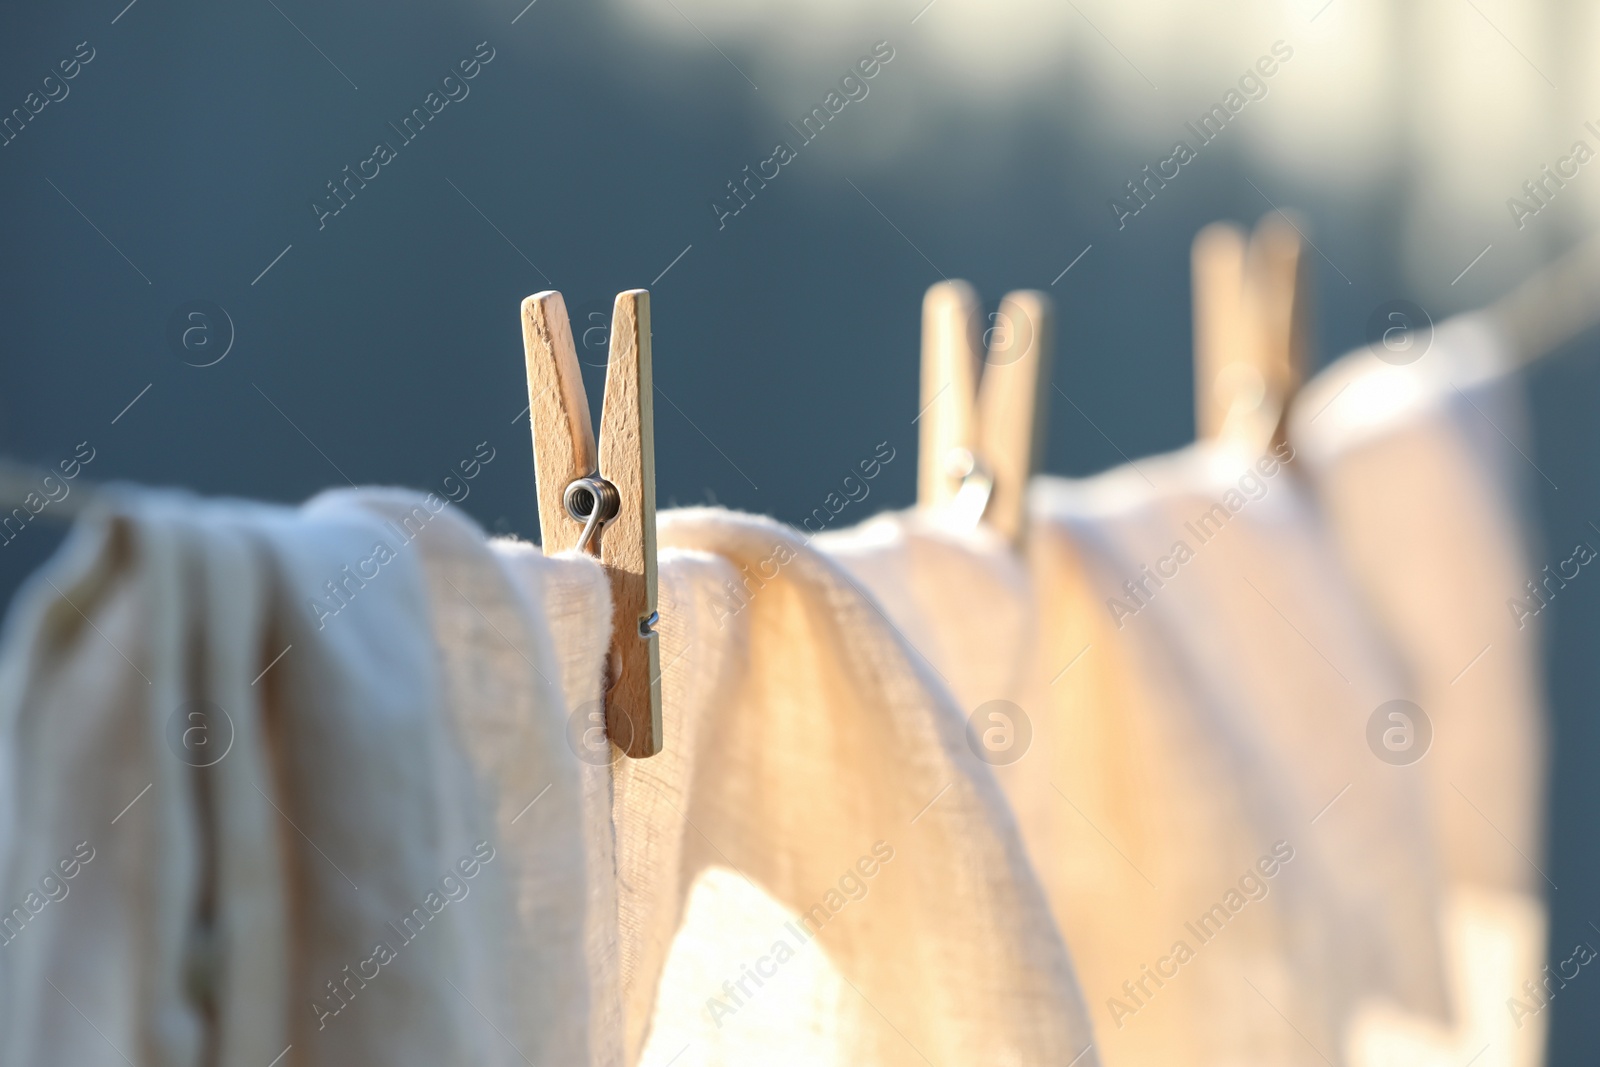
[1422,471]
[810,754]
[1164,763]
[339,866]
[1266,628]
[383,837]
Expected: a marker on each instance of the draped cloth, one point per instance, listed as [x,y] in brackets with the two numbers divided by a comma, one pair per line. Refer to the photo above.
[1172,737]
[816,792]
[326,785]
[298,742]
[1422,470]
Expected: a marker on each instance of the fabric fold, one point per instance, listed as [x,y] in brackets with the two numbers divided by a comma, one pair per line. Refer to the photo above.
[811,754]
[1167,737]
[1422,471]
[120,660]
[1226,560]
[334,774]
[316,757]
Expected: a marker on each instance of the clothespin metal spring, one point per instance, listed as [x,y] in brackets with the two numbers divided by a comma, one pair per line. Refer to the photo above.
[592,501]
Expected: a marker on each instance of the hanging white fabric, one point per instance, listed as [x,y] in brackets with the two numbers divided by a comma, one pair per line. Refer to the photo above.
[1421,460]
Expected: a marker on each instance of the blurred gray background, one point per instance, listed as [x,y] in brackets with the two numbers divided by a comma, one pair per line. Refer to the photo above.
[183,161]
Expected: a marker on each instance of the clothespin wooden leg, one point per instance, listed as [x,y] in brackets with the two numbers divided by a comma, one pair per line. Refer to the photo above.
[1277,301]
[1225,373]
[558,411]
[1011,406]
[628,542]
[605,503]
[948,417]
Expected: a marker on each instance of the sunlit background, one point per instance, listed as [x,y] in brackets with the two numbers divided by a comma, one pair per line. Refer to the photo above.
[593,152]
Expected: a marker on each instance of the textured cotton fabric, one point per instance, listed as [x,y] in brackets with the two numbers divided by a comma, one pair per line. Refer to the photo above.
[388,769]
[1178,733]
[1422,471]
[815,791]
[1267,628]
[87,699]
[387,838]
[1141,825]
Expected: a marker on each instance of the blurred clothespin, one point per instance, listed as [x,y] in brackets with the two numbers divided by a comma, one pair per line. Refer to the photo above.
[603,504]
[1250,315]
[983,410]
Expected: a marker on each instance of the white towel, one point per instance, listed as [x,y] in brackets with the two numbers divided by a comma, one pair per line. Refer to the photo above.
[384,839]
[1265,626]
[273,789]
[1172,752]
[1423,471]
[816,792]
[134,628]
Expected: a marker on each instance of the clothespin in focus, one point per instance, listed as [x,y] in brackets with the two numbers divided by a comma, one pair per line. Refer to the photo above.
[983,408]
[1250,312]
[605,505]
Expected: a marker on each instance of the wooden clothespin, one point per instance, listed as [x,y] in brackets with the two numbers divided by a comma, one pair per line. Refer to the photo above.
[1249,328]
[605,507]
[983,411]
